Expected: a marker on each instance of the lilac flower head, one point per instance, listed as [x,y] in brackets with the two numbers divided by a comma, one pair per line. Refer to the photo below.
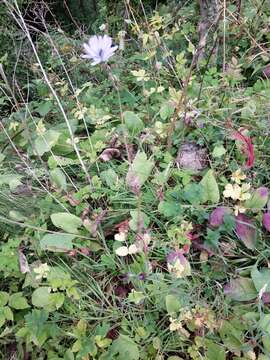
[99,48]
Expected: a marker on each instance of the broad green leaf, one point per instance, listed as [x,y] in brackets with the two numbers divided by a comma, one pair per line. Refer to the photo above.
[4,296]
[264,323]
[139,170]
[261,278]
[133,123]
[44,107]
[46,141]
[218,151]
[172,304]
[214,351]
[57,242]
[125,348]
[41,297]
[67,222]
[169,209]
[18,301]
[241,289]
[59,178]
[8,313]
[210,188]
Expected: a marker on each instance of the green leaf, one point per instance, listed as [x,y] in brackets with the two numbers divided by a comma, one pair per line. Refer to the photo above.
[44,107]
[18,301]
[59,178]
[138,220]
[57,242]
[2,319]
[258,199]
[214,351]
[12,180]
[166,110]
[3,298]
[41,297]
[67,222]
[46,141]
[139,170]
[133,123]
[8,313]
[261,278]
[125,348]
[172,304]
[241,289]
[218,151]
[136,297]
[210,188]
[170,209]
[264,323]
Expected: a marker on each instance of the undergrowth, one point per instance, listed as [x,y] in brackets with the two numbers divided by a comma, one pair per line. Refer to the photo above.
[134,212]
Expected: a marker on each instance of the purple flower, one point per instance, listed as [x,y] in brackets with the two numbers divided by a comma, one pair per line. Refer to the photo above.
[99,48]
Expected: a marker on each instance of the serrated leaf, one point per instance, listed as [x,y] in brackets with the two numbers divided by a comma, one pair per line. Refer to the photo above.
[210,188]
[57,242]
[67,222]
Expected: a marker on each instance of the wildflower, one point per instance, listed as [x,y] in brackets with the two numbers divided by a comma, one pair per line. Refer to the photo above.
[237,192]
[238,176]
[99,49]
[178,265]
[232,191]
[41,271]
[238,209]
[140,75]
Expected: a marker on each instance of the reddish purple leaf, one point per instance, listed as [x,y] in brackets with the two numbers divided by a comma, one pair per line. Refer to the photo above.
[217,216]
[266,298]
[248,147]
[246,231]
[24,267]
[266,221]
